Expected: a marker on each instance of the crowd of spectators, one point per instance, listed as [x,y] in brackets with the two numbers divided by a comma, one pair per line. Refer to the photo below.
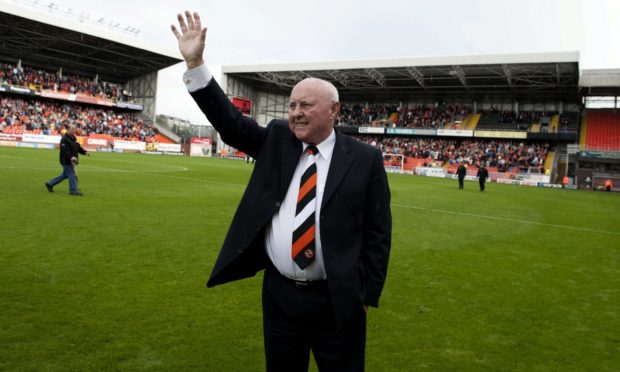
[364,115]
[438,116]
[441,115]
[523,117]
[28,76]
[47,116]
[505,155]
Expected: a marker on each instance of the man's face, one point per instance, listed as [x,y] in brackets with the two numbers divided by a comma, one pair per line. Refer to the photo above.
[311,113]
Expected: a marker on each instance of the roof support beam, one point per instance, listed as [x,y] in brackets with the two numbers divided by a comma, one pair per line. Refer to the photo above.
[339,77]
[417,75]
[376,76]
[508,75]
[459,73]
[272,78]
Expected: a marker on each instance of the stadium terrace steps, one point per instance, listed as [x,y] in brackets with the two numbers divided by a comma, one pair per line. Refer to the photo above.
[554,124]
[471,121]
[163,139]
[584,131]
[548,164]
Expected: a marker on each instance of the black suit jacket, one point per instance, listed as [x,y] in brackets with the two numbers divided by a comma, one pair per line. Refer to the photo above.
[356,222]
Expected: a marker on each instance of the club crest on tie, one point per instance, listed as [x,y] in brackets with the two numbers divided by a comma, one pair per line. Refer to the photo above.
[308,253]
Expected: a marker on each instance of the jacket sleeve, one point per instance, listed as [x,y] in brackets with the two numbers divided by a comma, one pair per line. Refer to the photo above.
[236,130]
[81,149]
[377,233]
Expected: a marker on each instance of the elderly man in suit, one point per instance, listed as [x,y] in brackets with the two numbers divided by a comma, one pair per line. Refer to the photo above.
[315,216]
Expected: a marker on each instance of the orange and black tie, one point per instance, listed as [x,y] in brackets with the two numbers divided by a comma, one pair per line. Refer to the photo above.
[303,251]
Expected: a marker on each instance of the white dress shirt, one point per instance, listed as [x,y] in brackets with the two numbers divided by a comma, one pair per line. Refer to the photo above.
[197,78]
[279,233]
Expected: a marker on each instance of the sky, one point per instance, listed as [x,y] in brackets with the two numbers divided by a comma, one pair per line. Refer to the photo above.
[284,31]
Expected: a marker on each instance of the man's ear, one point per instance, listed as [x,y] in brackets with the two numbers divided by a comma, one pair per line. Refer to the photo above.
[335,109]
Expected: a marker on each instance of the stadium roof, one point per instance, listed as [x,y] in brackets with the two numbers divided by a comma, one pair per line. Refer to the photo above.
[600,82]
[50,42]
[519,74]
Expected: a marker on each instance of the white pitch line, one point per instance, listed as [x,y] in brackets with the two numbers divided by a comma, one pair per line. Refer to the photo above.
[115,170]
[568,227]
[96,169]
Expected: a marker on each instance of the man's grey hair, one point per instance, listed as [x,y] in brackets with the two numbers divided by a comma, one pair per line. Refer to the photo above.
[331,92]
[328,89]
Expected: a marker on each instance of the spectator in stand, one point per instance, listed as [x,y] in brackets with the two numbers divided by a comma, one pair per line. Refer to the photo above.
[461,172]
[69,154]
[608,185]
[483,175]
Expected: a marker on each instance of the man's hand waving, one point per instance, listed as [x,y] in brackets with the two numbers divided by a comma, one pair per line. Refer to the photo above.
[191,38]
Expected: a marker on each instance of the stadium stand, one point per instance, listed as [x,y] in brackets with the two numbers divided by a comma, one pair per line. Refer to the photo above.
[27,76]
[499,155]
[44,116]
[34,116]
[603,130]
[56,70]
[422,116]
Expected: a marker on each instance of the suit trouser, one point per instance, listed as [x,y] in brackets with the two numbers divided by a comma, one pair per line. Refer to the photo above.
[299,319]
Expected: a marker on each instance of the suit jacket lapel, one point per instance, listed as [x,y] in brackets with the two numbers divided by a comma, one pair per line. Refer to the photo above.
[339,166]
[291,151]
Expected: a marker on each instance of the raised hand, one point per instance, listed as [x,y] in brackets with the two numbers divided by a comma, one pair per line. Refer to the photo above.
[191,38]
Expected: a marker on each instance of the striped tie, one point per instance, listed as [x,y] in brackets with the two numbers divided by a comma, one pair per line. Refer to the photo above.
[303,236]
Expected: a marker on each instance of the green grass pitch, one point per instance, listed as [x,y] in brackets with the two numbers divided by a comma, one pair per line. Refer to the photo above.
[513,279]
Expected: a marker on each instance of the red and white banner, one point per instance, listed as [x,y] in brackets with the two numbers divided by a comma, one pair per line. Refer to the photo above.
[10,137]
[96,142]
[200,147]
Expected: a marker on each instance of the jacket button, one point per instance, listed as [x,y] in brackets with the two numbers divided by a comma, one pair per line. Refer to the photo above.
[278,204]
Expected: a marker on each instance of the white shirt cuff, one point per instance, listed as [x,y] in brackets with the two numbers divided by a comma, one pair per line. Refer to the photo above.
[197,78]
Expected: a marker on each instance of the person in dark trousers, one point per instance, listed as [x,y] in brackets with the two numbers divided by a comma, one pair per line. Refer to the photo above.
[69,154]
[483,175]
[461,172]
[315,216]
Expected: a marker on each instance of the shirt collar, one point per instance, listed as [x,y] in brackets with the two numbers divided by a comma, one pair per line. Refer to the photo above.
[326,147]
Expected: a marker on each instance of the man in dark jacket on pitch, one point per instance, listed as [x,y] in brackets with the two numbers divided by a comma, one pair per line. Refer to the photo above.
[69,152]
[461,172]
[482,175]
